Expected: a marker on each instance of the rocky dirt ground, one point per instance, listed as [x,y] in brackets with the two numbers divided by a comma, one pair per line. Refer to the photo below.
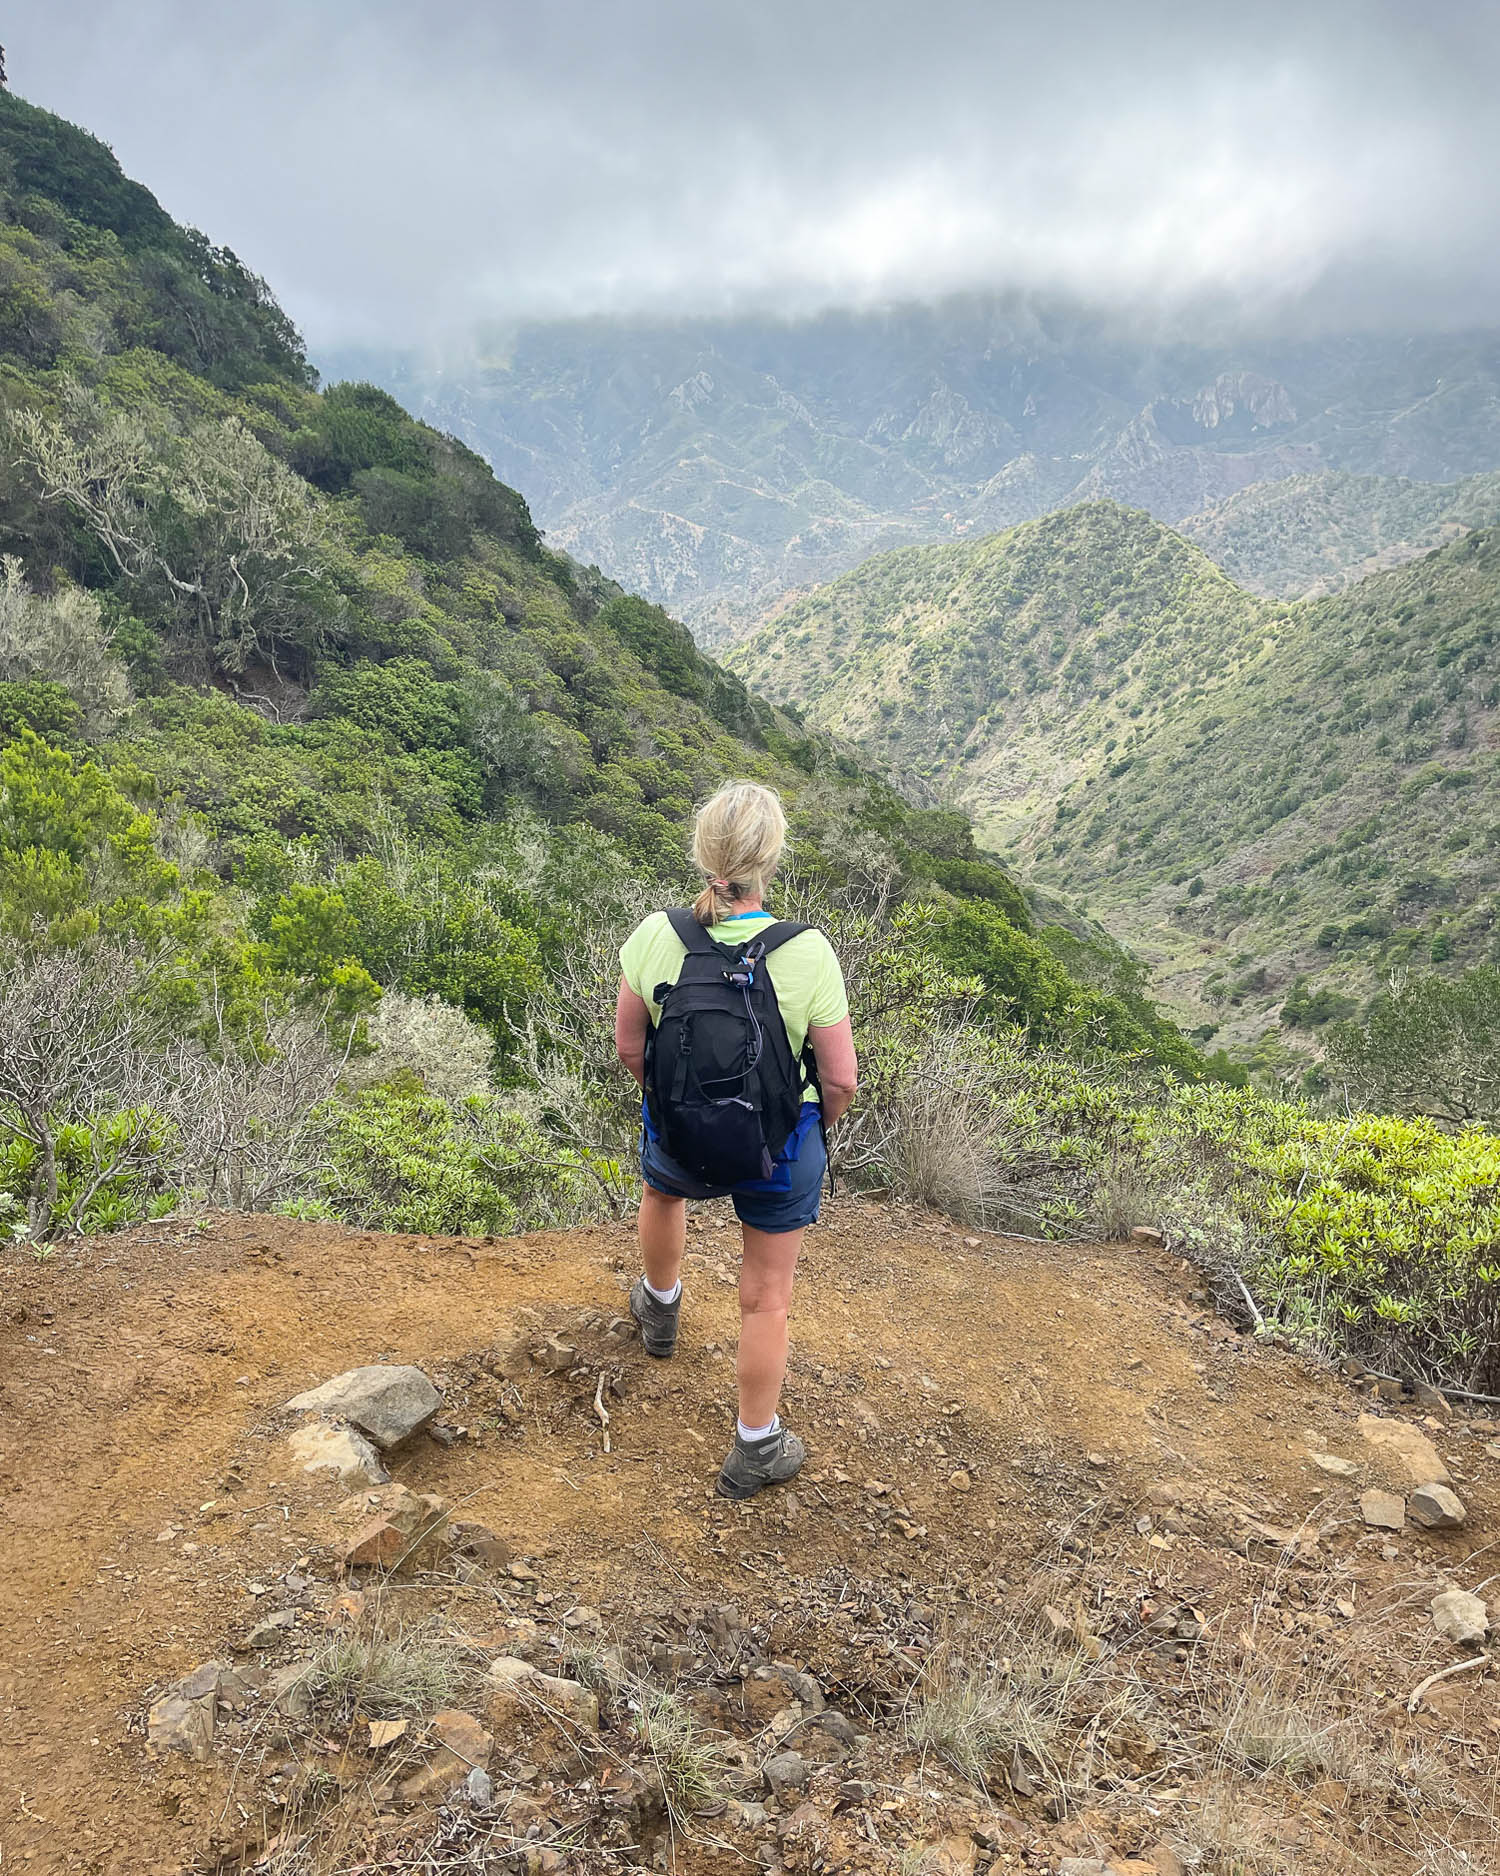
[1077,1579]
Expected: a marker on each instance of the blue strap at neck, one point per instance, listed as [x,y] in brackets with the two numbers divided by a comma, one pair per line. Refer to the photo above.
[730,917]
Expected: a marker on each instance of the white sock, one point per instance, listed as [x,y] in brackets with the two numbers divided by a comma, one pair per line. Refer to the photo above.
[663,1296]
[758,1433]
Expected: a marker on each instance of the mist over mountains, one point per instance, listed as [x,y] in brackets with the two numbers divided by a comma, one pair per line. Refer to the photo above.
[716,465]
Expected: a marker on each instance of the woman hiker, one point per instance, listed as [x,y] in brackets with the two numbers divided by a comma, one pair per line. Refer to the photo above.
[737,1029]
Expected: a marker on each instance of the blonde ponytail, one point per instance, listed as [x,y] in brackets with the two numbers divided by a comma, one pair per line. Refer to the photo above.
[737,841]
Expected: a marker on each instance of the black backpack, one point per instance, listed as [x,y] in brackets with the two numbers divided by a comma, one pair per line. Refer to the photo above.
[723,1089]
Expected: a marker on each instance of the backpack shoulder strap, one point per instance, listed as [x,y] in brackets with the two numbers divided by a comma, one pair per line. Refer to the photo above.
[769,937]
[692,934]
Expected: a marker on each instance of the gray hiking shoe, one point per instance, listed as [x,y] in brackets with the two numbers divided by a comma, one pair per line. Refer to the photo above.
[754,1464]
[658,1321]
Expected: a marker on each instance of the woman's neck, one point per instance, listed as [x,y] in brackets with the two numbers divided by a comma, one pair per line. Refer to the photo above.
[742,906]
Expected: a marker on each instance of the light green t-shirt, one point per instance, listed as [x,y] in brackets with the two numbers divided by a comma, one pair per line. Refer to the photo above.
[809,984]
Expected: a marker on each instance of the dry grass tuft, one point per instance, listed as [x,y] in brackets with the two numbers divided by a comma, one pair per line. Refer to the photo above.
[687,1761]
[387,1676]
[1012,1701]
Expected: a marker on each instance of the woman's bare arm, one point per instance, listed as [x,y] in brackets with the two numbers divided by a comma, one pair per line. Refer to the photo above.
[632,1020]
[838,1068]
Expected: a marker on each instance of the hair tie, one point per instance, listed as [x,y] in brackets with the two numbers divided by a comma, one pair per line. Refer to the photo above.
[720,882]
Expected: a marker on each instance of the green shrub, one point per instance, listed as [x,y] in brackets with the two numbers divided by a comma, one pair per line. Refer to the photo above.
[400,1159]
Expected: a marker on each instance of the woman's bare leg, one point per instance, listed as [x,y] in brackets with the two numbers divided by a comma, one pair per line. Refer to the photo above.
[663,1234]
[767,1272]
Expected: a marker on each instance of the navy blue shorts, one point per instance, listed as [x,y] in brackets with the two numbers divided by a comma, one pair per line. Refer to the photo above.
[787,1201]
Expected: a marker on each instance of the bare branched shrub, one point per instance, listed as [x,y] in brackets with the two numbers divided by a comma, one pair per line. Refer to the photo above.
[429,1038]
[202,517]
[80,1038]
[95,1071]
[250,1118]
[61,640]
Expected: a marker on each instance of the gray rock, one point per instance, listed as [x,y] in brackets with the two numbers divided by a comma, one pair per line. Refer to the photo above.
[271,1629]
[786,1774]
[327,1446]
[183,1721]
[1461,1617]
[479,1788]
[288,1691]
[1438,1507]
[387,1403]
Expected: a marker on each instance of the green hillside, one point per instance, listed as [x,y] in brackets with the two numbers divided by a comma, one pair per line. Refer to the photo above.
[1244,793]
[1313,534]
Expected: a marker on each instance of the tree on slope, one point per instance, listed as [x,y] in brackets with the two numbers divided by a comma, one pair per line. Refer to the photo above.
[1427,1045]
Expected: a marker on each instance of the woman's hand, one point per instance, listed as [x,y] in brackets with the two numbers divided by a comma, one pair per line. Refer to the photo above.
[838,1067]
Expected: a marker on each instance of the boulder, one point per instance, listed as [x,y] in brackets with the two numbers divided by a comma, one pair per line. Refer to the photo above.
[1437,1508]
[1460,1616]
[1382,1511]
[387,1403]
[518,1689]
[326,1446]
[1407,1447]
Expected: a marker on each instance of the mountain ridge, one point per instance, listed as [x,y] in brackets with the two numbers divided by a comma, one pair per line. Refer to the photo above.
[714,464]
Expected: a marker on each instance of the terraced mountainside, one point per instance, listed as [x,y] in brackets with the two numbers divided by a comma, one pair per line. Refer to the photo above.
[715,464]
[1244,792]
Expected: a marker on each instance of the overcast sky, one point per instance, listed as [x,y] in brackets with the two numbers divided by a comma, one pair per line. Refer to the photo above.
[399,171]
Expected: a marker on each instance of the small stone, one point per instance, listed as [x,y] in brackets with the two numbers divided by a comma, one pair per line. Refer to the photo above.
[1382,1511]
[463,1736]
[325,1446]
[1147,1235]
[479,1788]
[1437,1508]
[786,1773]
[960,1480]
[1407,1447]
[1330,1462]
[1460,1616]
[182,1719]
[387,1403]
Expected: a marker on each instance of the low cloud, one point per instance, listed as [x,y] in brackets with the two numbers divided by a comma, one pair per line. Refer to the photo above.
[402,173]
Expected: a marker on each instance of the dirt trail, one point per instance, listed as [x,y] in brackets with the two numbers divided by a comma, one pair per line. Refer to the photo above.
[1009,1393]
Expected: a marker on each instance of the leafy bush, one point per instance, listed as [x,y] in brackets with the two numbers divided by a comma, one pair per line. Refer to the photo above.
[400,1159]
